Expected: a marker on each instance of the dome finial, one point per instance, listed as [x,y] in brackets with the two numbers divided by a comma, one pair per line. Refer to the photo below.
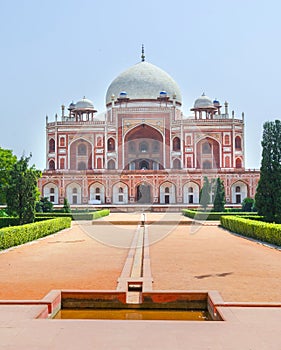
[142,53]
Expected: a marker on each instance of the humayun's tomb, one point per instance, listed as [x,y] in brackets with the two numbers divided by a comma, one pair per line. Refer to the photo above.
[142,149]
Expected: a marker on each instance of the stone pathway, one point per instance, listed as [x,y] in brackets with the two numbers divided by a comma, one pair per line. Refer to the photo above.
[92,257]
[182,257]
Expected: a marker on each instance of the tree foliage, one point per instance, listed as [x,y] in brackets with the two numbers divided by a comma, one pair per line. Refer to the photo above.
[248,204]
[22,191]
[219,194]
[44,205]
[268,195]
[66,207]
[205,193]
[7,160]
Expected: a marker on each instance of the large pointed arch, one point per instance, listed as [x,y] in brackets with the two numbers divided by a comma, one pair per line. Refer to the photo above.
[143,143]
[80,151]
[208,153]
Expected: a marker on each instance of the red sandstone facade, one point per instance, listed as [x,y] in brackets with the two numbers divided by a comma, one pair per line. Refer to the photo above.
[143,149]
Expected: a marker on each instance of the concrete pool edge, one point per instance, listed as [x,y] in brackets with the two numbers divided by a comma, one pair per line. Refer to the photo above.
[197,299]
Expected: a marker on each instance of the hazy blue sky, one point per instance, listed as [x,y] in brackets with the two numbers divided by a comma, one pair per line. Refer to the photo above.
[53,52]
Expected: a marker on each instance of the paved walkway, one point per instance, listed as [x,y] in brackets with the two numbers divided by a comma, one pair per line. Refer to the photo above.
[67,260]
[92,257]
[214,259]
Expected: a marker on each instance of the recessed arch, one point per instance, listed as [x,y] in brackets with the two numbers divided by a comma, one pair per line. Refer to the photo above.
[80,150]
[227,161]
[52,145]
[120,196]
[143,193]
[111,144]
[238,143]
[176,144]
[191,192]
[51,191]
[239,191]
[74,193]
[52,165]
[167,193]
[238,163]
[208,153]
[143,143]
[96,193]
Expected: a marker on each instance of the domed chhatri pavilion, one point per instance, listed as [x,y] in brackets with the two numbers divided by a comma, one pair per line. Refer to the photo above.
[142,149]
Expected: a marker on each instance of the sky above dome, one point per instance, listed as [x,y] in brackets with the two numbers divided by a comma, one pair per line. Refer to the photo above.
[53,52]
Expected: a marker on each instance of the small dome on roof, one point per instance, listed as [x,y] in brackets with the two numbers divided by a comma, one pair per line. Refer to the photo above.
[123,94]
[71,106]
[203,102]
[84,104]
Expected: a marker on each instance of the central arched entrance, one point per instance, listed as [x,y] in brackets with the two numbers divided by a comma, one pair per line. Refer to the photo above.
[143,148]
[144,194]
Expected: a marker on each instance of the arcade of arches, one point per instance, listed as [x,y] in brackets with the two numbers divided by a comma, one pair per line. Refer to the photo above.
[144,193]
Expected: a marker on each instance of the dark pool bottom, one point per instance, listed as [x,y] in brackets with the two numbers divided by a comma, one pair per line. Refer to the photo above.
[133,314]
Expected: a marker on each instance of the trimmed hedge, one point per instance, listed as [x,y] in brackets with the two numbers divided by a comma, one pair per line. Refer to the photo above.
[76,216]
[261,231]
[16,235]
[211,215]
[100,213]
[252,217]
[14,221]
[9,221]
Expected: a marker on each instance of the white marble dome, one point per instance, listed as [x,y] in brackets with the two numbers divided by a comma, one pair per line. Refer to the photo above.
[203,102]
[84,104]
[143,81]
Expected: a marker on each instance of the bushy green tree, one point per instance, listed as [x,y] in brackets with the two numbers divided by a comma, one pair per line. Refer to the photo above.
[205,193]
[219,194]
[44,205]
[268,195]
[7,160]
[22,191]
[66,207]
[248,204]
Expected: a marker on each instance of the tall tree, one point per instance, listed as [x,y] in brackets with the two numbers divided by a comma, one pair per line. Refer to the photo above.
[205,193]
[268,195]
[7,160]
[219,194]
[22,190]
